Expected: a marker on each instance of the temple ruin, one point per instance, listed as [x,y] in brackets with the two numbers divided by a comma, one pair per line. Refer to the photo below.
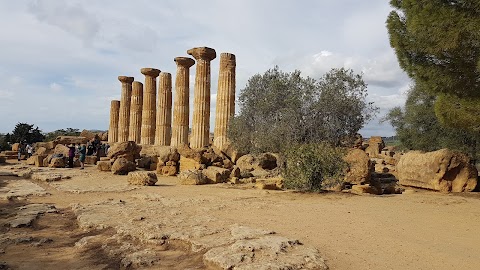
[140,118]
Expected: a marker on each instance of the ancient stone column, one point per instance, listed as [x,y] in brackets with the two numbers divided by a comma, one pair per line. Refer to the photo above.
[149,107]
[163,133]
[225,98]
[124,117]
[181,109]
[113,128]
[136,112]
[201,101]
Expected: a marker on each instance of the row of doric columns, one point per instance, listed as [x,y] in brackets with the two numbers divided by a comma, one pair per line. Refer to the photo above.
[140,118]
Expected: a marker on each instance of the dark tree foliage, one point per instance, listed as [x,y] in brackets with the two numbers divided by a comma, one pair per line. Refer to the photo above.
[25,133]
[437,43]
[418,128]
[279,109]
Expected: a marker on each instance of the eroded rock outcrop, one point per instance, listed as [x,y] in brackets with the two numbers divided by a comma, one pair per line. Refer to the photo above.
[443,170]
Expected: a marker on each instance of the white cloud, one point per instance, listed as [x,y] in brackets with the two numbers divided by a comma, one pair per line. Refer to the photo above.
[55,87]
[81,46]
[5,94]
[72,18]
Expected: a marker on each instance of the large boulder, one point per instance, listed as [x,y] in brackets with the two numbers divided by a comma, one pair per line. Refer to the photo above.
[41,151]
[265,161]
[57,162]
[443,170]
[187,164]
[48,146]
[92,160]
[128,150]
[216,174]
[70,140]
[375,146]
[142,178]
[359,167]
[15,147]
[104,165]
[195,154]
[103,136]
[123,166]
[192,177]
[61,149]
[229,151]
[87,134]
[162,153]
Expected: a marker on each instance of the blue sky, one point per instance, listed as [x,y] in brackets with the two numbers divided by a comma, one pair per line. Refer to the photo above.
[60,60]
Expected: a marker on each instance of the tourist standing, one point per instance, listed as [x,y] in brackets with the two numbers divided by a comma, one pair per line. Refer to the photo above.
[29,149]
[82,151]
[19,151]
[71,155]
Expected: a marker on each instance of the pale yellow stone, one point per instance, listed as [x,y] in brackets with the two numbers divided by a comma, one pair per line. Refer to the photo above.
[113,129]
[163,133]
[149,107]
[201,102]
[181,109]
[225,98]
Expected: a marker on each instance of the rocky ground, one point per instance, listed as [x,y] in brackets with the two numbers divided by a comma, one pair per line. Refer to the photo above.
[73,219]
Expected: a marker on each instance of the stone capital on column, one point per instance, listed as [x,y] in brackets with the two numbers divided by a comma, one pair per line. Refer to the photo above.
[185,62]
[203,53]
[125,79]
[151,72]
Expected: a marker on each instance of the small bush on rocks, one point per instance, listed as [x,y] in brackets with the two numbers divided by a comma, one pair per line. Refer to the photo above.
[313,167]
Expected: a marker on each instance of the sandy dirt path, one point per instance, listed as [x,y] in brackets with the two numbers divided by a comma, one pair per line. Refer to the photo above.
[416,230]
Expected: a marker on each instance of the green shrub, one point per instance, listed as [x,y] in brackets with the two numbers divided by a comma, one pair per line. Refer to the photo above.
[313,167]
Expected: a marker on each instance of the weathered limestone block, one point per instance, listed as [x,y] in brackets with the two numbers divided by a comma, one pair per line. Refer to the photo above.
[41,151]
[443,170]
[38,160]
[15,147]
[359,167]
[195,154]
[169,170]
[366,189]
[47,177]
[192,177]
[163,131]
[70,140]
[266,161]
[264,250]
[128,150]
[274,183]
[142,178]
[123,166]
[216,174]
[114,115]
[61,149]
[201,111]
[87,134]
[92,160]
[30,160]
[161,153]
[136,112]
[182,102]
[225,98]
[188,164]
[104,166]
[57,162]
[3,159]
[375,146]
[149,107]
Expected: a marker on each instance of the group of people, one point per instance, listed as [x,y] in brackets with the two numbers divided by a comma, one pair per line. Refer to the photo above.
[25,148]
[93,148]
